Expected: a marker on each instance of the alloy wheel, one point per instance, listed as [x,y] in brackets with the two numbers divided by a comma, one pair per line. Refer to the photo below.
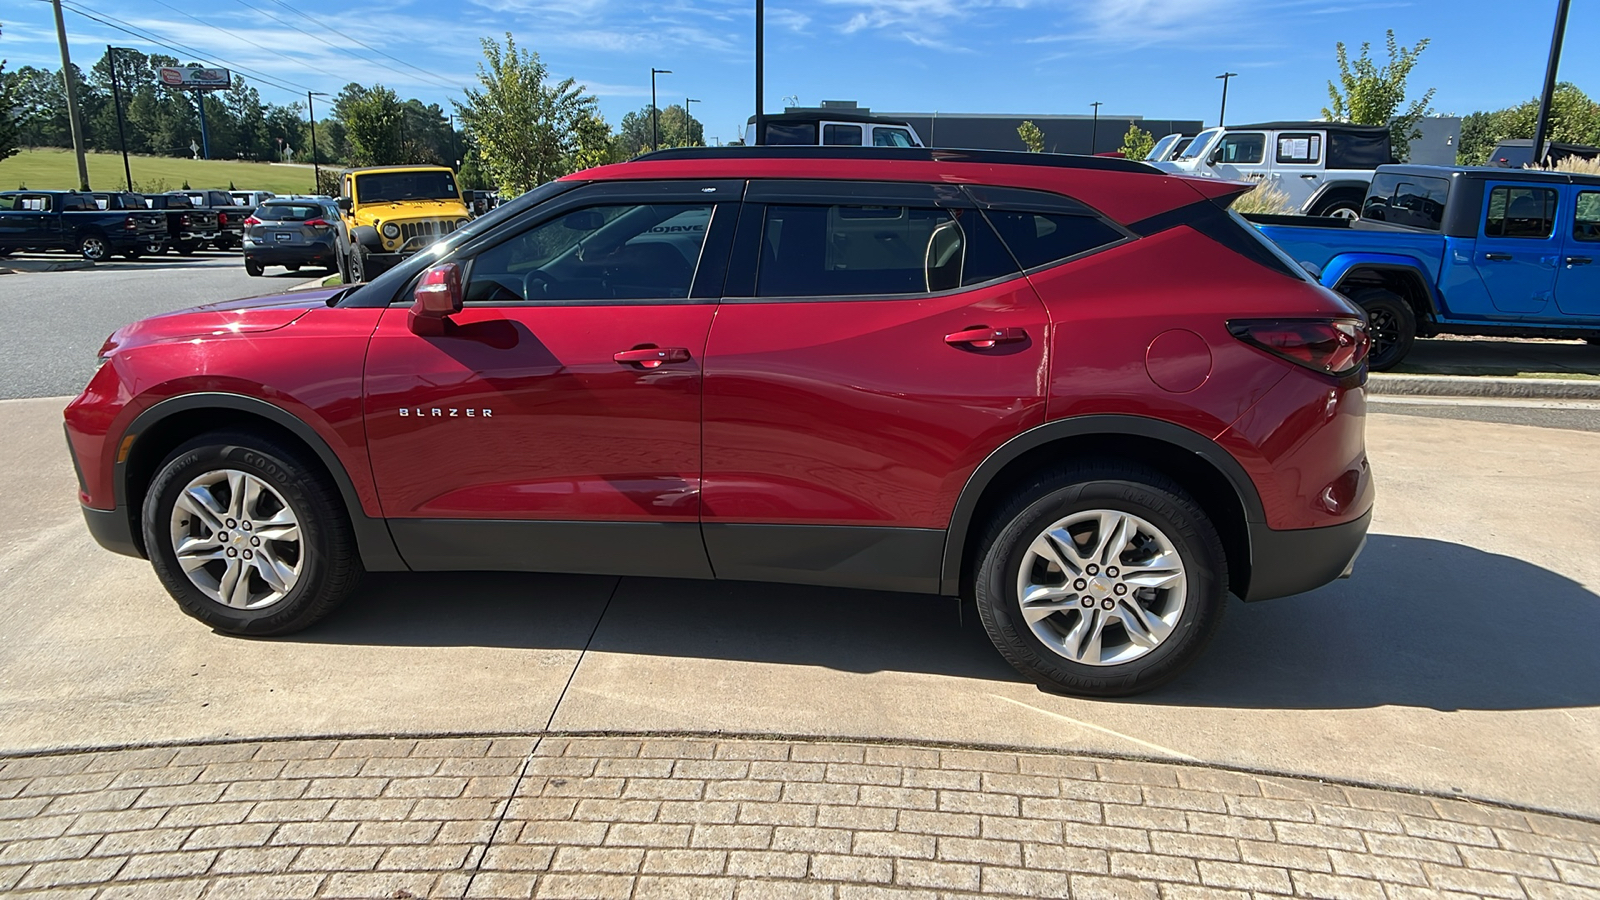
[1383,330]
[236,539]
[93,248]
[1102,587]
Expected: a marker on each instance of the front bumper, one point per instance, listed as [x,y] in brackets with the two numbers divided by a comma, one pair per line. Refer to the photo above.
[112,529]
[1293,562]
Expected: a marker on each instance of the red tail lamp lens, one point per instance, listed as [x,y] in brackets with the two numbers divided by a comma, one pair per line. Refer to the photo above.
[1329,346]
[252,221]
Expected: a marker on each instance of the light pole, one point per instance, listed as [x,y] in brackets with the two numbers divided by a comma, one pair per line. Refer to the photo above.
[1222,117]
[1094,128]
[655,114]
[1545,99]
[761,50]
[311,113]
[687,130]
[455,148]
[116,97]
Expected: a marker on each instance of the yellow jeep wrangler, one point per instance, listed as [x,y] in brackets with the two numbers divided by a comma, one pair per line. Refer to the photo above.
[391,212]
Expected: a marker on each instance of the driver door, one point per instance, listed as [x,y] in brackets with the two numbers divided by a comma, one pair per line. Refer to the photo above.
[555,424]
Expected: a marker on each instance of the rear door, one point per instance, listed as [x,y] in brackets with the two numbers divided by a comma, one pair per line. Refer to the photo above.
[1517,249]
[1578,279]
[874,343]
[1297,164]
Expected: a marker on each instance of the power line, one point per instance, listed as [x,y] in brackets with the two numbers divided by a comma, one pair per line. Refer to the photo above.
[128,28]
[436,79]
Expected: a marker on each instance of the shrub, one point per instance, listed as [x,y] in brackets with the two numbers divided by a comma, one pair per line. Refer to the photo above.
[1032,137]
[1265,199]
[1577,166]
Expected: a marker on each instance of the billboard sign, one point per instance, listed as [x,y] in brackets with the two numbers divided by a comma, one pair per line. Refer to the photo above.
[196,79]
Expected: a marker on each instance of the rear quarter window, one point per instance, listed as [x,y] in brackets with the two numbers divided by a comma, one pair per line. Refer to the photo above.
[1041,239]
[1409,200]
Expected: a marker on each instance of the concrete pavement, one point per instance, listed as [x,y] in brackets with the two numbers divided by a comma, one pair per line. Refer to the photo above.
[1458,660]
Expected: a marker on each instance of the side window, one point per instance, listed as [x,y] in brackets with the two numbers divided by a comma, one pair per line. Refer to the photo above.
[1586,223]
[1246,148]
[853,251]
[1303,149]
[620,252]
[1039,239]
[1520,212]
[891,137]
[841,135]
[803,134]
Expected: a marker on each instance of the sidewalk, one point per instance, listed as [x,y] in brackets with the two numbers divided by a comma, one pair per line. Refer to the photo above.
[646,817]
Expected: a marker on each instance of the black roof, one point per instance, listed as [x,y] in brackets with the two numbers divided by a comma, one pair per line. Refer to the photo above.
[909,154]
[827,116]
[1495,172]
[1308,126]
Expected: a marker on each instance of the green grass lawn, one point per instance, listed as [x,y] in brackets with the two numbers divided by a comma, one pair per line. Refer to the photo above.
[57,170]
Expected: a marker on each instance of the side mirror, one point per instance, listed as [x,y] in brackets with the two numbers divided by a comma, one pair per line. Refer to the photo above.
[1215,157]
[438,296]
[344,204]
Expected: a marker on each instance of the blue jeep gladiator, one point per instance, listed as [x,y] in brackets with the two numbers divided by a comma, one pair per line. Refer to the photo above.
[1458,250]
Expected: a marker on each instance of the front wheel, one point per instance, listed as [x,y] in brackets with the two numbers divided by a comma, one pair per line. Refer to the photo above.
[94,247]
[1391,326]
[1101,580]
[358,264]
[248,536]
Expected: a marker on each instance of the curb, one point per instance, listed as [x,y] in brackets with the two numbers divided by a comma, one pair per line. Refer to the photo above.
[18,266]
[1479,386]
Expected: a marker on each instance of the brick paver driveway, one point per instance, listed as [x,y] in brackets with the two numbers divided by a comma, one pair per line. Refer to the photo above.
[683,817]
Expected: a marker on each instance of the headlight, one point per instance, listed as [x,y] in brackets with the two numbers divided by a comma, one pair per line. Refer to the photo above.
[391,230]
[460,222]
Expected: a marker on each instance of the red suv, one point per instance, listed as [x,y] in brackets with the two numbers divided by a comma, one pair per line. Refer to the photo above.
[1076,390]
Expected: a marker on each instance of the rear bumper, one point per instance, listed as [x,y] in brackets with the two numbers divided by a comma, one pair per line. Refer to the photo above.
[1293,562]
[312,254]
[112,530]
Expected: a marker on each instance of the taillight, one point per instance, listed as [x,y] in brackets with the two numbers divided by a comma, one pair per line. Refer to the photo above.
[184,220]
[252,220]
[222,218]
[129,224]
[316,223]
[1329,346]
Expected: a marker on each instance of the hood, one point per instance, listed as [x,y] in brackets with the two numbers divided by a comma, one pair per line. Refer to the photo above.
[230,317]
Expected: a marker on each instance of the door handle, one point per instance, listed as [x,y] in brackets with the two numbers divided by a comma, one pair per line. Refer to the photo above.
[652,357]
[1309,177]
[1579,260]
[982,337]
[1498,257]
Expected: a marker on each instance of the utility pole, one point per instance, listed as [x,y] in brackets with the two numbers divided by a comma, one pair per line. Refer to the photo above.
[316,170]
[1094,128]
[655,113]
[1545,99]
[455,149]
[761,120]
[71,85]
[1222,117]
[116,96]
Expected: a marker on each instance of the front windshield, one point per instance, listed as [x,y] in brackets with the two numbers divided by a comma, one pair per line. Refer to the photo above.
[1158,152]
[1201,144]
[378,187]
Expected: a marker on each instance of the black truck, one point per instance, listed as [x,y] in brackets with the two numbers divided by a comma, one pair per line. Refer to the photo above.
[70,220]
[188,229]
[230,215]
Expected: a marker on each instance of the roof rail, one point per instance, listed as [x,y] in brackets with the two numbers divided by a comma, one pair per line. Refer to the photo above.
[906,154]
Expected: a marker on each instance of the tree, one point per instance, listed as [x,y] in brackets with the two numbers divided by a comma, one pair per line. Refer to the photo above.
[1574,118]
[1137,143]
[527,129]
[678,129]
[372,126]
[1373,94]
[8,117]
[1032,137]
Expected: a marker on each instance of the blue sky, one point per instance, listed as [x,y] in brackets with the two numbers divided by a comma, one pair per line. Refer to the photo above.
[1155,58]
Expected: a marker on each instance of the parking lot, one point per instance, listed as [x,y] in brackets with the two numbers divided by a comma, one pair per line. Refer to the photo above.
[1459,659]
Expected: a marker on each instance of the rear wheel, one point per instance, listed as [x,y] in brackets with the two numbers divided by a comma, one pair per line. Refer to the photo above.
[1340,208]
[135,253]
[186,248]
[94,247]
[293,267]
[1101,579]
[1391,326]
[253,268]
[248,536]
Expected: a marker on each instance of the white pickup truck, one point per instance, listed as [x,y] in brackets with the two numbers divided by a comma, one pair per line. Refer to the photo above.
[1324,167]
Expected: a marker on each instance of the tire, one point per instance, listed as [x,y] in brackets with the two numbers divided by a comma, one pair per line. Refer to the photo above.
[253,268]
[319,566]
[133,254]
[293,267]
[1340,208]
[186,248]
[1391,325]
[358,264]
[1083,498]
[94,247]
[1593,342]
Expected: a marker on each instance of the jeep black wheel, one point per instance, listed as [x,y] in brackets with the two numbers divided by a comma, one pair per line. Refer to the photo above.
[358,264]
[1101,579]
[1391,326]
[248,536]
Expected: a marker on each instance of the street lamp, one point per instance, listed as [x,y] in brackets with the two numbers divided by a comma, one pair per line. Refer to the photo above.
[1545,98]
[1222,117]
[688,118]
[655,114]
[311,113]
[1094,129]
[455,149]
